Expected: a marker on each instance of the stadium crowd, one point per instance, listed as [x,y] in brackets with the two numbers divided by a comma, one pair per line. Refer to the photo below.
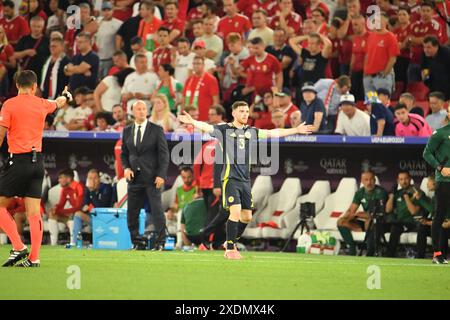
[290,59]
[331,64]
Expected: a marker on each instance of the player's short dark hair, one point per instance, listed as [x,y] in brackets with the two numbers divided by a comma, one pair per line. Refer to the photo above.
[136,40]
[186,169]
[117,105]
[238,104]
[25,78]
[169,2]
[384,92]
[84,35]
[168,68]
[437,94]
[320,10]
[431,39]
[66,172]
[9,4]
[257,40]
[164,29]
[400,106]
[405,8]
[197,21]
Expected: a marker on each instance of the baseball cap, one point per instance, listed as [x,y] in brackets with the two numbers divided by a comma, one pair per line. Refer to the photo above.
[284,93]
[309,87]
[347,98]
[107,6]
[199,43]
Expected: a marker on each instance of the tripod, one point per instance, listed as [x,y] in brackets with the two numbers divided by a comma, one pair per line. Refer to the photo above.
[374,231]
[303,224]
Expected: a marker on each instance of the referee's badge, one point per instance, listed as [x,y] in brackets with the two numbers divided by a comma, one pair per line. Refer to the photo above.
[247,135]
[231,199]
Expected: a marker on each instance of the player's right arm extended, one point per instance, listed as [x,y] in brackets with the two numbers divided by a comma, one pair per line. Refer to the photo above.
[205,127]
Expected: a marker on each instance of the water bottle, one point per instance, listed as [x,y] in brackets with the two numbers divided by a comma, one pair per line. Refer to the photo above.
[79,240]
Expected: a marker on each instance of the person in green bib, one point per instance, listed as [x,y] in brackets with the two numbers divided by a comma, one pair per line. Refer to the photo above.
[184,195]
[424,231]
[359,221]
[401,208]
[437,154]
[193,220]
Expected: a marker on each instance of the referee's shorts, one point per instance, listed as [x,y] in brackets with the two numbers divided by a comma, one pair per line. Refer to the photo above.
[237,192]
[21,177]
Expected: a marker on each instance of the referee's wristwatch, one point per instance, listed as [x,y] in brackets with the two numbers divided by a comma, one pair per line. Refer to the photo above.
[439,168]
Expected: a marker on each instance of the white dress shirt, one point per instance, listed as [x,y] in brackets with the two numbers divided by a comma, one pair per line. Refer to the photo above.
[136,126]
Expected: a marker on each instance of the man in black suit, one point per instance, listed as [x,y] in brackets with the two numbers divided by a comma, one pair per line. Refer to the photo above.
[145,158]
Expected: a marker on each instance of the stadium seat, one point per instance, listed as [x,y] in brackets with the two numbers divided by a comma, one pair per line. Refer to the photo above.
[419,90]
[280,202]
[319,191]
[261,190]
[336,204]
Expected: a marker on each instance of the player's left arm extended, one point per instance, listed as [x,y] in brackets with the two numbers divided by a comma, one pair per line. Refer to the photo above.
[278,133]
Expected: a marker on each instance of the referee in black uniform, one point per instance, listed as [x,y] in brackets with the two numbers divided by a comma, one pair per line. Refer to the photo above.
[235,142]
[23,118]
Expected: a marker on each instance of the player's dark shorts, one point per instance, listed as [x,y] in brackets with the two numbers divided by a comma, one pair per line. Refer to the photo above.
[237,192]
[21,177]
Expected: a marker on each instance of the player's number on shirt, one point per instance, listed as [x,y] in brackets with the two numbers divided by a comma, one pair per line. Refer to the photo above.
[241,144]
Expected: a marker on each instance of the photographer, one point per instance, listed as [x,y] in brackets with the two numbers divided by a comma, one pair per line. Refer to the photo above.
[359,221]
[401,208]
[424,229]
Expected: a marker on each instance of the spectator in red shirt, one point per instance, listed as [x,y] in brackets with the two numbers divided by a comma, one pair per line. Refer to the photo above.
[172,22]
[287,19]
[162,54]
[414,8]
[320,20]
[261,111]
[70,201]
[317,4]
[120,62]
[233,22]
[402,32]
[410,125]
[123,9]
[426,26]
[201,89]
[34,8]
[285,105]
[88,25]
[263,70]
[381,53]
[7,60]
[247,7]
[15,27]
[387,7]
[359,41]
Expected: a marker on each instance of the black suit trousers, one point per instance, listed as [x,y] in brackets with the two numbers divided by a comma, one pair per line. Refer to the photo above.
[138,190]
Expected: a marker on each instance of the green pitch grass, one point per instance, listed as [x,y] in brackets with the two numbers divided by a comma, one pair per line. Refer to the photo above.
[206,275]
